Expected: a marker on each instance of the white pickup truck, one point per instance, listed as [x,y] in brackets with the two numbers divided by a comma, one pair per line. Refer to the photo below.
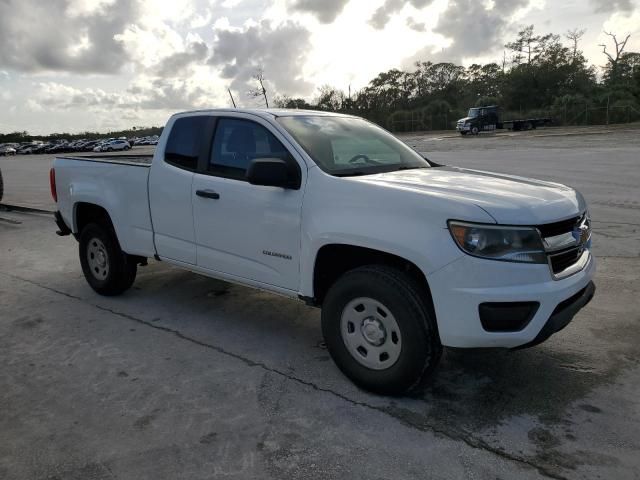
[403,255]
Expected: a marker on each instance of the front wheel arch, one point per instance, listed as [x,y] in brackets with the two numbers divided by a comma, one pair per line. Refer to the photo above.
[335,259]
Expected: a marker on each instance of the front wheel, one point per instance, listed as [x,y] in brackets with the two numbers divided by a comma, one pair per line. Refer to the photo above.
[475,131]
[379,330]
[107,269]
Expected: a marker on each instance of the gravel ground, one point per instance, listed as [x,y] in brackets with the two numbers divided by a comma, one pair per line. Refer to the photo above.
[188,377]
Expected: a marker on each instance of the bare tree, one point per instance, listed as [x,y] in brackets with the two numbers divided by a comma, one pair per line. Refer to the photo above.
[575,35]
[260,91]
[619,48]
[614,59]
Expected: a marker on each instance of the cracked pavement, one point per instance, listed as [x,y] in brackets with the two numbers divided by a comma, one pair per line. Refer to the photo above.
[189,377]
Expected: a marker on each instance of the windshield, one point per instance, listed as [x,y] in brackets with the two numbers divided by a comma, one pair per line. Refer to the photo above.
[346,146]
[473,112]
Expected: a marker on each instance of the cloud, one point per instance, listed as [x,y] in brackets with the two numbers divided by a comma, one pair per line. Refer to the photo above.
[608,6]
[326,11]
[413,24]
[383,14]
[43,36]
[474,28]
[171,94]
[149,93]
[280,51]
[56,95]
[176,64]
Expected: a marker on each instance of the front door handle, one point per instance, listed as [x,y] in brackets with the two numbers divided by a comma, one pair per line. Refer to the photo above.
[208,194]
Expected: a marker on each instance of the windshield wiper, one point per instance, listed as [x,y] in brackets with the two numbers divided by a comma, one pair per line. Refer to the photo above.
[408,168]
[354,174]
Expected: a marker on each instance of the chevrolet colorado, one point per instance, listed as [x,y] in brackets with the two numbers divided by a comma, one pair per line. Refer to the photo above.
[404,256]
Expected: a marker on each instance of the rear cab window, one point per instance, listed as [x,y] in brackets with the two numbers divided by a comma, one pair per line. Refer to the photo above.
[186,140]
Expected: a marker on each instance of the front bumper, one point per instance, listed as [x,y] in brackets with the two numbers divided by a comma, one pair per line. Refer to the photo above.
[463,128]
[457,299]
[563,314]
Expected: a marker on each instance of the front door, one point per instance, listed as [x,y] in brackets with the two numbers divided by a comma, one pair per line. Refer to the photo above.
[247,231]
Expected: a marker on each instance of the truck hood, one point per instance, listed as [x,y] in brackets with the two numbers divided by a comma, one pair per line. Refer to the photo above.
[465,119]
[508,199]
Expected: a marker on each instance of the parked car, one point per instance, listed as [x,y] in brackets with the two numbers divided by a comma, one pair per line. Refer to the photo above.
[115,145]
[404,256]
[6,150]
[1,186]
[41,148]
[89,146]
[57,148]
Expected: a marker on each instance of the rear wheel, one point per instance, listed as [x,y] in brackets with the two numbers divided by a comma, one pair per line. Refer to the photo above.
[108,270]
[379,330]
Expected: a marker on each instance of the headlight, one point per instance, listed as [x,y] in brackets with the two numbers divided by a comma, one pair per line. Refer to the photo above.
[495,242]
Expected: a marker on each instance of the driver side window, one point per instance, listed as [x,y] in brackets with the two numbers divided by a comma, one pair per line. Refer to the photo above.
[237,142]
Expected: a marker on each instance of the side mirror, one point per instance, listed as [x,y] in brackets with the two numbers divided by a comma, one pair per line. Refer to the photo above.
[272,172]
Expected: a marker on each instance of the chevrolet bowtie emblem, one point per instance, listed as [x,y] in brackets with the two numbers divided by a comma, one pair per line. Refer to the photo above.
[581,234]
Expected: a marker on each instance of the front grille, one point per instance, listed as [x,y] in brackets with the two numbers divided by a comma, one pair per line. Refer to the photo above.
[563,256]
[558,228]
[563,260]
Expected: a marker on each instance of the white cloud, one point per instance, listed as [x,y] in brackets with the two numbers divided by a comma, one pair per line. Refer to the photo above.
[81,8]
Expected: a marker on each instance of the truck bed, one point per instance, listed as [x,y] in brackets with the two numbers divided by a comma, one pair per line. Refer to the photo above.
[117,183]
[135,160]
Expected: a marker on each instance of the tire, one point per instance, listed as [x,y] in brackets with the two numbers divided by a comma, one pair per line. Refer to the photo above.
[127,148]
[463,133]
[107,269]
[391,359]
[109,149]
[475,131]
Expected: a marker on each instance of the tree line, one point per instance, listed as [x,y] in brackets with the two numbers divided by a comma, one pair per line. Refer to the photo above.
[537,74]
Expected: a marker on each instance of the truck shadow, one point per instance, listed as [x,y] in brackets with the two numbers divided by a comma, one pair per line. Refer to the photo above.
[473,389]
[480,388]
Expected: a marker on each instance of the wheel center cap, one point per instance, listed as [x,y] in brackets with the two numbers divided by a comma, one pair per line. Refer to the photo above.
[102,260]
[373,331]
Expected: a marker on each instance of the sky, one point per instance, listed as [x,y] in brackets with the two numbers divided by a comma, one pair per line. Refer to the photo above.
[101,65]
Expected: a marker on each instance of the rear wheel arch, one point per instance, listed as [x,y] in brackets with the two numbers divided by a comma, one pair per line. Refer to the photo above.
[86,213]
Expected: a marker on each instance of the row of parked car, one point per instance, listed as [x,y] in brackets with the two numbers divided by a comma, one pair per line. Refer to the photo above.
[82,145]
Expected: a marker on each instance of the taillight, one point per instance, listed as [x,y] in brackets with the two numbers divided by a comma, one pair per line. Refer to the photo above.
[52,183]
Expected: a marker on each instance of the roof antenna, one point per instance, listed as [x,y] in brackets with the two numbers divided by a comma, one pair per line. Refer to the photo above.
[232,100]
